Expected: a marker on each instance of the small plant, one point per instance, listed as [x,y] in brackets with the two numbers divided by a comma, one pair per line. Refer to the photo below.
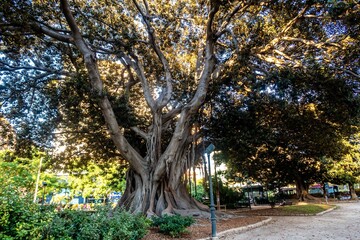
[173,225]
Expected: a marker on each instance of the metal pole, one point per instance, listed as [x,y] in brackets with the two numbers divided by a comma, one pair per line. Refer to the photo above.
[37,180]
[248,190]
[212,205]
[43,197]
[217,189]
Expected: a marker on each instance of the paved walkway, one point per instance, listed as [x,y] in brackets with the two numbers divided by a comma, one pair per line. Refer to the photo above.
[339,224]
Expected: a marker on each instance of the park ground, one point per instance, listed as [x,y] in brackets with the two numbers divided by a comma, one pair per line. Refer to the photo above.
[341,223]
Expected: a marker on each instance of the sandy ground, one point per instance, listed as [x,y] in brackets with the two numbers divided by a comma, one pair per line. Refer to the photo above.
[339,224]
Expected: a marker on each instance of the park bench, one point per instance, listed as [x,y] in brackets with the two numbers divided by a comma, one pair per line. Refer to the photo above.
[285,202]
[242,204]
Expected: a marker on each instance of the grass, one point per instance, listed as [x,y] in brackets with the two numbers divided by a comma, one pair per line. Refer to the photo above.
[305,209]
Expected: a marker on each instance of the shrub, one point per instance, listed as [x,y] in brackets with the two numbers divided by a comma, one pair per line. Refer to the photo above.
[173,225]
[200,193]
[68,224]
[124,225]
[71,224]
[20,218]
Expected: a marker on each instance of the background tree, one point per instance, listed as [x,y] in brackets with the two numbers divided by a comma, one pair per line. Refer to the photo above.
[283,129]
[96,181]
[347,168]
[156,59]
[7,135]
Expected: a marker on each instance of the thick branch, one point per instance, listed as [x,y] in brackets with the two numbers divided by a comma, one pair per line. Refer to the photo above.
[164,98]
[139,132]
[349,72]
[310,42]
[137,66]
[52,33]
[182,129]
[171,114]
[134,158]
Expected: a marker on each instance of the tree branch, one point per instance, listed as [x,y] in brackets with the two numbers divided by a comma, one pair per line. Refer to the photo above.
[4,67]
[349,72]
[165,97]
[236,10]
[182,129]
[284,30]
[138,68]
[134,158]
[171,114]
[139,132]
[51,33]
[310,42]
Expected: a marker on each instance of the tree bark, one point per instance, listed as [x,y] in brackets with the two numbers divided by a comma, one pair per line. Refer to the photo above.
[352,192]
[167,196]
[301,189]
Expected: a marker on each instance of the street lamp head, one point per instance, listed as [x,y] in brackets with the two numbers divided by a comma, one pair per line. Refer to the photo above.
[44,184]
[210,148]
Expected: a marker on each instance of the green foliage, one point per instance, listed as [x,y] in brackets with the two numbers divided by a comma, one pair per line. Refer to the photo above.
[227,195]
[173,225]
[199,194]
[23,219]
[285,124]
[347,168]
[85,225]
[20,217]
[96,180]
[26,220]
[124,225]
[20,172]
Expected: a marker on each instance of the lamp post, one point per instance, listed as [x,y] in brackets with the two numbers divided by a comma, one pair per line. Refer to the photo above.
[44,184]
[248,190]
[208,151]
[37,180]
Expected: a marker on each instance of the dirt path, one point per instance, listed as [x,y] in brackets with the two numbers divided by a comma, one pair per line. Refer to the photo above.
[339,224]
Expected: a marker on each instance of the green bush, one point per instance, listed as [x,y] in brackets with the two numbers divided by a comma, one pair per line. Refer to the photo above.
[124,225]
[200,193]
[20,218]
[71,224]
[173,225]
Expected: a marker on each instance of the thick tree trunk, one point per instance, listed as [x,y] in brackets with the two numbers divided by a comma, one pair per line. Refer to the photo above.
[161,187]
[352,192]
[301,189]
[167,196]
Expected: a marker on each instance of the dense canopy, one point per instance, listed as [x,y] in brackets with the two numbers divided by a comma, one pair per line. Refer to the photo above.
[130,78]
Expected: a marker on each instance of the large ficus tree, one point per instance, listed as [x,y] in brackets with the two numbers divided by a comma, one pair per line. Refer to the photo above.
[146,66]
